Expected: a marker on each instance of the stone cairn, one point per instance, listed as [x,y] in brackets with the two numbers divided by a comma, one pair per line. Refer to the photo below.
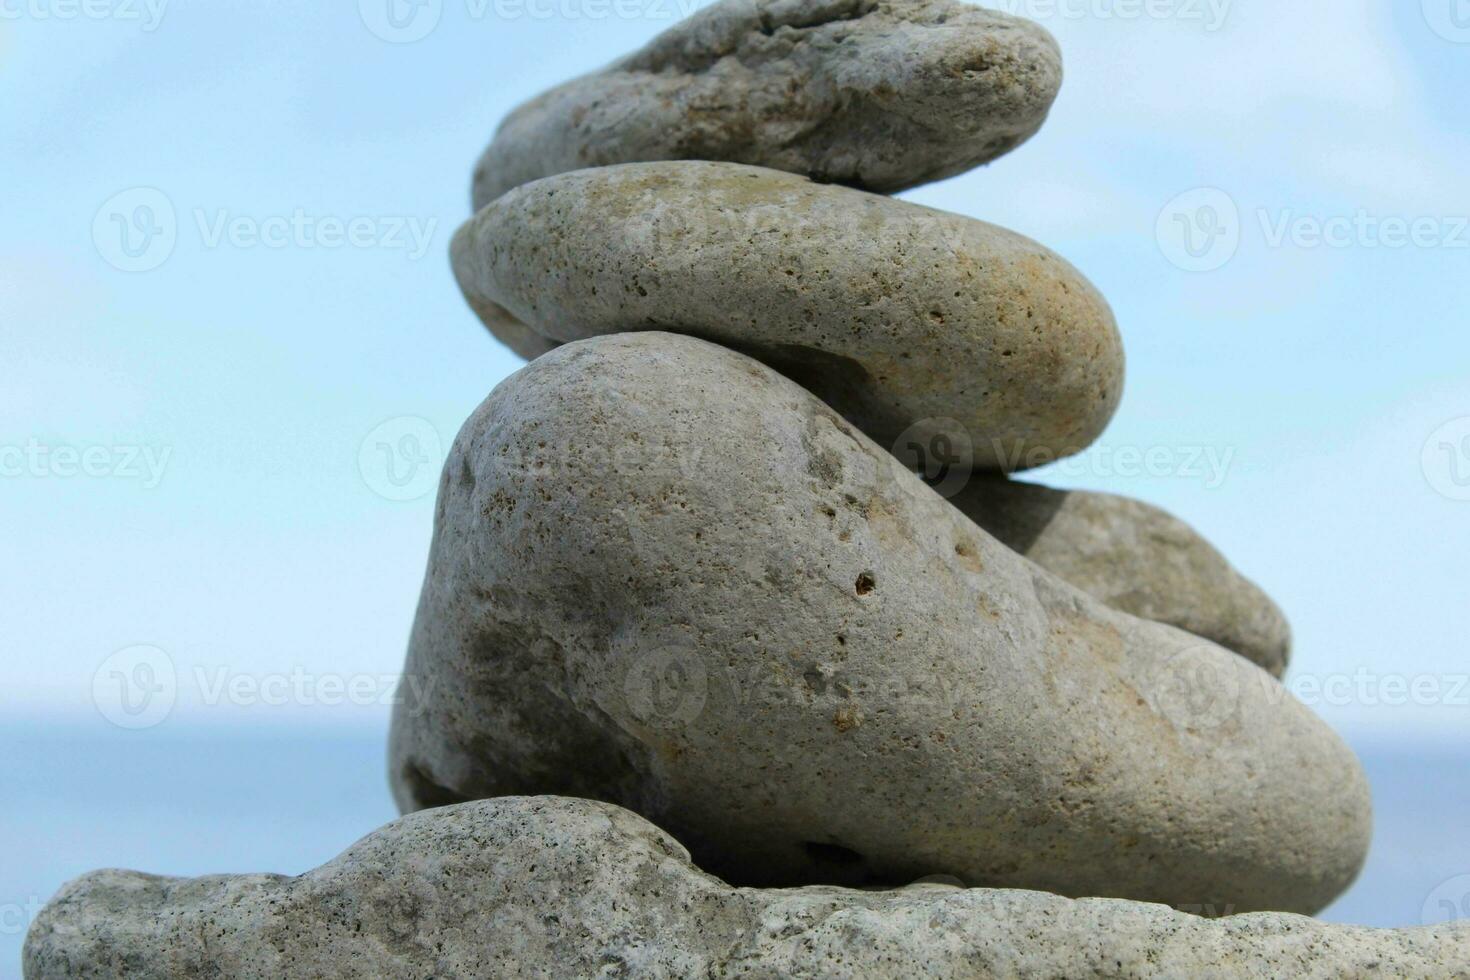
[738,572]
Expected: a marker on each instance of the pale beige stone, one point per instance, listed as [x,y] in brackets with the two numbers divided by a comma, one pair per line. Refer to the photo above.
[909,321]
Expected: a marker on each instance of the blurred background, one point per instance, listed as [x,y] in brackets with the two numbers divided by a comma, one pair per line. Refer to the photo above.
[233,357]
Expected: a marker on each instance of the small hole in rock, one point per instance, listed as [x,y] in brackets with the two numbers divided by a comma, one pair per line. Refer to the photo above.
[865,584]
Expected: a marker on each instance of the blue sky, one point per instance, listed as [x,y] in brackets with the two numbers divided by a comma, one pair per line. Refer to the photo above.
[1331,380]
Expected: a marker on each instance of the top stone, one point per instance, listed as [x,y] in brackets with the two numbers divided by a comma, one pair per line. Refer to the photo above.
[878,94]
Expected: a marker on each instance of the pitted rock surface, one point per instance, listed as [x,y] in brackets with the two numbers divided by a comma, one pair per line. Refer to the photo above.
[879,94]
[907,320]
[548,887]
[1134,557]
[665,576]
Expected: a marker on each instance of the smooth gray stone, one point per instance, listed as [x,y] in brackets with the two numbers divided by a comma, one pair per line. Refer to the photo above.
[1134,557]
[549,887]
[911,322]
[666,576]
[881,95]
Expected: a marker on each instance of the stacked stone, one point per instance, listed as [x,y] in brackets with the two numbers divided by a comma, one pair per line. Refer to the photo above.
[680,567]
[686,590]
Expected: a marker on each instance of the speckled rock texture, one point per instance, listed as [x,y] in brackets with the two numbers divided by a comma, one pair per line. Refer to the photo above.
[879,94]
[1134,557]
[665,576]
[910,322]
[550,887]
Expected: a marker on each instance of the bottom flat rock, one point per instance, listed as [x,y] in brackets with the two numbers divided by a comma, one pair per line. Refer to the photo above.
[549,886]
